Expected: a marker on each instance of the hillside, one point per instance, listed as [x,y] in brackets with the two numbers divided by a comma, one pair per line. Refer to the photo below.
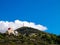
[29,36]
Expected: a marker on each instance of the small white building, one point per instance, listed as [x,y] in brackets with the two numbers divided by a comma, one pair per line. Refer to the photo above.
[16,33]
[11,31]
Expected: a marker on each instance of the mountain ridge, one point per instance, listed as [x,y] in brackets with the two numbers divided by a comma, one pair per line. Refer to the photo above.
[29,36]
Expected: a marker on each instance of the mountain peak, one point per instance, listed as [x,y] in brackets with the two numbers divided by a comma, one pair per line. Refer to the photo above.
[29,36]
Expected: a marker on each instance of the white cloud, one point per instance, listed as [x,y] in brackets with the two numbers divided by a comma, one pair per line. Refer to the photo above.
[4,25]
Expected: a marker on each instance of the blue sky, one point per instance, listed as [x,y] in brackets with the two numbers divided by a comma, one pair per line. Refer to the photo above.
[45,12]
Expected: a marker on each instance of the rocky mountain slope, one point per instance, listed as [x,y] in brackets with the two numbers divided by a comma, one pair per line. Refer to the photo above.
[29,36]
